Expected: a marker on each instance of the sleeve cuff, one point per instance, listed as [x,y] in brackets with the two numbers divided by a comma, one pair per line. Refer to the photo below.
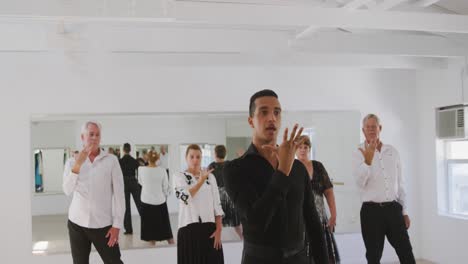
[114,225]
[219,213]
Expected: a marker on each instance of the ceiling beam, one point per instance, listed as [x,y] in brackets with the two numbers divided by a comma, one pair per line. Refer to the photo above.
[171,40]
[381,44]
[426,3]
[355,4]
[231,14]
[352,5]
[294,59]
[388,4]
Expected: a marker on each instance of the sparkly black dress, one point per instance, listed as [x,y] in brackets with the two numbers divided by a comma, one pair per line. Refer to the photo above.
[321,182]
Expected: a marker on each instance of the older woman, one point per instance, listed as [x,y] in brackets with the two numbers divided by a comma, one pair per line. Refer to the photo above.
[321,186]
[200,213]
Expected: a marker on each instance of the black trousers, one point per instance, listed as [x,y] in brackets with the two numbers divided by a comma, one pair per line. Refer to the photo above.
[380,220]
[254,254]
[80,242]
[131,188]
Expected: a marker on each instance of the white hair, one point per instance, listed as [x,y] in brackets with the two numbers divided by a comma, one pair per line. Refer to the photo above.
[369,116]
[84,127]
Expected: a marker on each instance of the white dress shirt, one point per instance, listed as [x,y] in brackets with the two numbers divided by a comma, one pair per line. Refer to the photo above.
[155,185]
[163,161]
[98,192]
[382,181]
[70,162]
[204,206]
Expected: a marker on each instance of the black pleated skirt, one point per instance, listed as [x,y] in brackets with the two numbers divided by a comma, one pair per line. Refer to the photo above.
[155,223]
[194,245]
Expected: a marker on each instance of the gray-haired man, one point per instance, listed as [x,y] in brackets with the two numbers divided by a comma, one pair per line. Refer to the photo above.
[97,209]
[377,171]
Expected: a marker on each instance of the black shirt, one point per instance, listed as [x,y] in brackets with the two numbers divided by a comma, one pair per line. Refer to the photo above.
[129,166]
[276,210]
[218,168]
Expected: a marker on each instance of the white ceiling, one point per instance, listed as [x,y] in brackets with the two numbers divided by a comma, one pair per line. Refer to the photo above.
[404,33]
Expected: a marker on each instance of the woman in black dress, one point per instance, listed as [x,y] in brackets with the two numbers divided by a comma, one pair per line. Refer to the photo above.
[321,186]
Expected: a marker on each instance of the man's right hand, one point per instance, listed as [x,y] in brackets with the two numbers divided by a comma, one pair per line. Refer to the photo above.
[287,150]
[369,151]
[81,159]
[204,174]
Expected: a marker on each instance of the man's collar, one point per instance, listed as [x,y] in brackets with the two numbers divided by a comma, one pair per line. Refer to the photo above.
[252,150]
[102,154]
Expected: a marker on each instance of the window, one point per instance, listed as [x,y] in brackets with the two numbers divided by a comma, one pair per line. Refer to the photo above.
[457,177]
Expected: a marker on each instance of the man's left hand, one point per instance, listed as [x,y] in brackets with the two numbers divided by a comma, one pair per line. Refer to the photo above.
[407,221]
[113,235]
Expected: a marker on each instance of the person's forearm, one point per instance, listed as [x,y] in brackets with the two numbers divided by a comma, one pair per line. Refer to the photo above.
[219,222]
[196,188]
[330,196]
[76,168]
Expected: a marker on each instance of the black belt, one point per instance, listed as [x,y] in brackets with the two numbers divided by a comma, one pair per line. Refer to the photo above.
[384,204]
[266,252]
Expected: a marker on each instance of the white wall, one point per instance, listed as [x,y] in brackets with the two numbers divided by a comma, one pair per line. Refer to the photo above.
[55,83]
[443,239]
[52,134]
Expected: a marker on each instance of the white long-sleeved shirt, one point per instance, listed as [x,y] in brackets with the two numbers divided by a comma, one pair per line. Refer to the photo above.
[203,206]
[98,192]
[155,185]
[382,181]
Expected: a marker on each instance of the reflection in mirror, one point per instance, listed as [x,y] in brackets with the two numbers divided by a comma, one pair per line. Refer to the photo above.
[112,149]
[48,169]
[54,139]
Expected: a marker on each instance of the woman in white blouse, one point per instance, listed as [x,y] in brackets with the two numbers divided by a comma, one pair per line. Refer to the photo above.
[155,223]
[200,213]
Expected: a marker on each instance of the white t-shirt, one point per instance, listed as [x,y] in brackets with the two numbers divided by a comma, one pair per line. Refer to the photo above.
[155,185]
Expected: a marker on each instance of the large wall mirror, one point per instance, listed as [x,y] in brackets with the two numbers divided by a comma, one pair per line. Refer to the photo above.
[55,138]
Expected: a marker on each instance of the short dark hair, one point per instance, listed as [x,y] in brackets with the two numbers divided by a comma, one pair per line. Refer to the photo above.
[220,151]
[262,93]
[127,148]
[194,147]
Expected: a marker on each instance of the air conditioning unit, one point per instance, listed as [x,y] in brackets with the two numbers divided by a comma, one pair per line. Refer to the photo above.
[450,122]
